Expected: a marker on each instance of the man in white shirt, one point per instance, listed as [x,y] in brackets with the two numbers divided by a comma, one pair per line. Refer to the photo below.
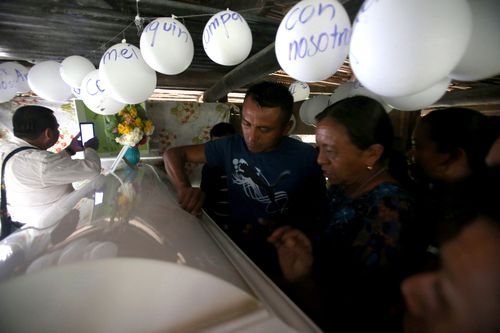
[35,179]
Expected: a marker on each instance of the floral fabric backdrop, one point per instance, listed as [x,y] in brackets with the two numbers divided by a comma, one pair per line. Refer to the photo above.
[184,123]
[176,123]
[64,113]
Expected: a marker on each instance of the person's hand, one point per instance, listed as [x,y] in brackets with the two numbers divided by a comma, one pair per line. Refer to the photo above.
[294,253]
[191,199]
[92,143]
[425,305]
[75,145]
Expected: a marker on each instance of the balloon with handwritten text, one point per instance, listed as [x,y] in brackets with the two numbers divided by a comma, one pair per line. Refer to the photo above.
[45,80]
[19,73]
[166,46]
[77,92]
[227,38]
[7,86]
[482,57]
[74,68]
[421,99]
[312,40]
[95,96]
[400,48]
[125,74]
[299,90]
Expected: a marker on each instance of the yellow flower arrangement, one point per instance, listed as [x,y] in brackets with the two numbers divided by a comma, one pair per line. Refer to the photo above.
[130,126]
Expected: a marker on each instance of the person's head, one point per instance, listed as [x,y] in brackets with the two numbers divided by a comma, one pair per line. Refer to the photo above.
[221,130]
[36,125]
[266,114]
[354,136]
[450,144]
[493,157]
[463,296]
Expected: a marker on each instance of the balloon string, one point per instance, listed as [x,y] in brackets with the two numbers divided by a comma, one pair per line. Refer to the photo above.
[103,45]
[201,15]
[138,21]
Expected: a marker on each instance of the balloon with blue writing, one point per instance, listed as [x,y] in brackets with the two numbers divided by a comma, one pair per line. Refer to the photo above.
[19,73]
[166,46]
[7,86]
[227,39]
[74,68]
[482,57]
[421,99]
[94,94]
[125,74]
[400,48]
[77,92]
[132,155]
[312,40]
[45,81]
[299,90]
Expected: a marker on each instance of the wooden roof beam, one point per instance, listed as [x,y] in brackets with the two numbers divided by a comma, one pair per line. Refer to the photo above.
[260,64]
[477,96]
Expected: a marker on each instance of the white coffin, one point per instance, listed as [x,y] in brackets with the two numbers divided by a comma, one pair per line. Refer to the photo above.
[119,255]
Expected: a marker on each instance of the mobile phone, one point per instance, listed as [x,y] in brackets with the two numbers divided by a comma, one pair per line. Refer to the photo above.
[87,131]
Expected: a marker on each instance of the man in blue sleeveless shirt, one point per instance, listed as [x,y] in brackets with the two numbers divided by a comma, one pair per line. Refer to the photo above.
[272,179]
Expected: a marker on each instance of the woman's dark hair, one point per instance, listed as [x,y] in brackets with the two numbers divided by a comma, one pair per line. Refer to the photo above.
[30,121]
[365,120]
[272,94]
[460,128]
[222,129]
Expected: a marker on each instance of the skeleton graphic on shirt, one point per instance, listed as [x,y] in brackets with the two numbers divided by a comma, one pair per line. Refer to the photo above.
[257,187]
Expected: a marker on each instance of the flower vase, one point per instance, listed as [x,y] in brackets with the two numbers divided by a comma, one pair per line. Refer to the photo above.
[132,155]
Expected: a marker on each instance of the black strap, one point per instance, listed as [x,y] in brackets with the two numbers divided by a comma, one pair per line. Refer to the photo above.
[6,222]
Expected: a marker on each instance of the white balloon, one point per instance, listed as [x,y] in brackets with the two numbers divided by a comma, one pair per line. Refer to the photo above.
[355,88]
[166,46]
[341,92]
[125,74]
[74,68]
[77,92]
[312,107]
[227,39]
[45,81]
[294,124]
[7,86]
[312,40]
[95,97]
[300,91]
[421,99]
[400,48]
[482,57]
[19,73]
